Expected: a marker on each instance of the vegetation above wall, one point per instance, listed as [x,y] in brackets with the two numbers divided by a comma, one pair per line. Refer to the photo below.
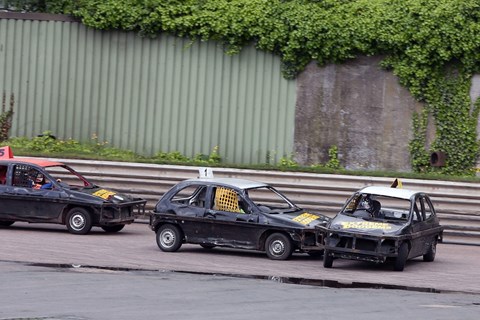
[47,145]
[433,46]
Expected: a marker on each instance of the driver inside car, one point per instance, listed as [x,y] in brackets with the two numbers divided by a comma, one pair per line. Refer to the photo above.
[41,183]
[368,208]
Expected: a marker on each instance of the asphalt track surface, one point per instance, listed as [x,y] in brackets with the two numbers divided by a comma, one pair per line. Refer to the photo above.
[244,284]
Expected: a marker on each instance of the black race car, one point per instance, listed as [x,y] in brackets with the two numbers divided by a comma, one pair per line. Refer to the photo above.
[380,223]
[42,191]
[235,213]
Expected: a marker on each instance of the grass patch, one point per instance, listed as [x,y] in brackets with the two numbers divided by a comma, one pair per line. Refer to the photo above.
[48,146]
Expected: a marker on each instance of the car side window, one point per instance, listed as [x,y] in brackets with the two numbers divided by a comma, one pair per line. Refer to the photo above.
[417,210]
[228,200]
[192,195]
[27,176]
[3,174]
[428,210]
[24,176]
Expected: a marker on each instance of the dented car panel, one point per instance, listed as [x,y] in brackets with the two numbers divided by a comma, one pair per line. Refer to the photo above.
[237,213]
[42,191]
[379,223]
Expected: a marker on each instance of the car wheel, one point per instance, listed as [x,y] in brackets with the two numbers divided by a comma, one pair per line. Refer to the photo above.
[169,238]
[114,228]
[279,247]
[327,260]
[79,221]
[6,223]
[401,259]
[432,250]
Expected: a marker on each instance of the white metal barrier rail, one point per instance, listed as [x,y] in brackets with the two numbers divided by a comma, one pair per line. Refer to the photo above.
[456,203]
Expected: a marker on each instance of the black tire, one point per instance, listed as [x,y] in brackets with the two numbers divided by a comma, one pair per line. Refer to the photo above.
[327,260]
[401,259]
[429,256]
[169,238]
[278,246]
[114,228]
[79,221]
[6,223]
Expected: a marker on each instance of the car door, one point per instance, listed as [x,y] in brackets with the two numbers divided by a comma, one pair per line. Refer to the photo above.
[430,217]
[420,238]
[21,200]
[233,222]
[188,204]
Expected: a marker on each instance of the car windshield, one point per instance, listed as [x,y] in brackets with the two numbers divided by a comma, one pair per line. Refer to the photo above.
[377,207]
[68,178]
[269,200]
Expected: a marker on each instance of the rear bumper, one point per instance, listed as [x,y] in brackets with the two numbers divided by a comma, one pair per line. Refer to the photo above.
[123,213]
[312,240]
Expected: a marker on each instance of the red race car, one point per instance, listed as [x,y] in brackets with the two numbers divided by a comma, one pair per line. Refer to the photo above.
[42,191]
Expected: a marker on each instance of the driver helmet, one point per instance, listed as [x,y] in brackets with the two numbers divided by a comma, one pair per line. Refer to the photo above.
[39,178]
[366,203]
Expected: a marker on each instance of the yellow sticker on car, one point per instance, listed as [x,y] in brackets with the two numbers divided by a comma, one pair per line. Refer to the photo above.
[366,225]
[104,194]
[305,218]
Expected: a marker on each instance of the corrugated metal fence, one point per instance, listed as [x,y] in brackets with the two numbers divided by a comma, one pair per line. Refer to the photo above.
[456,203]
[147,95]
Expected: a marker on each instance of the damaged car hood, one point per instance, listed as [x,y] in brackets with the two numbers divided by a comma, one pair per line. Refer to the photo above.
[344,223]
[100,194]
[299,218]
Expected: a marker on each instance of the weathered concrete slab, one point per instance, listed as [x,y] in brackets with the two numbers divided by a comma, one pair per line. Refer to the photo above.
[358,107]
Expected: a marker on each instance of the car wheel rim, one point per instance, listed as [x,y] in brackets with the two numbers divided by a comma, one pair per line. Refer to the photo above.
[277,247]
[77,222]
[167,238]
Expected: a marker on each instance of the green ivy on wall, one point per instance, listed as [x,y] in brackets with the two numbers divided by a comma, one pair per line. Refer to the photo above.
[455,122]
[418,153]
[433,46]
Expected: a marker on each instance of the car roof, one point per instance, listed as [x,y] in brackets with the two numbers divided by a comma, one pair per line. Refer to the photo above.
[389,192]
[6,157]
[38,162]
[230,182]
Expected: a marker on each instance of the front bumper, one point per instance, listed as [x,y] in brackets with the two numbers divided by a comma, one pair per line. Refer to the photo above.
[366,247]
[362,247]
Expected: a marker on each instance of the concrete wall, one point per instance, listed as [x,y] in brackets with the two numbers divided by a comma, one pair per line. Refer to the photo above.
[358,107]
[475,94]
